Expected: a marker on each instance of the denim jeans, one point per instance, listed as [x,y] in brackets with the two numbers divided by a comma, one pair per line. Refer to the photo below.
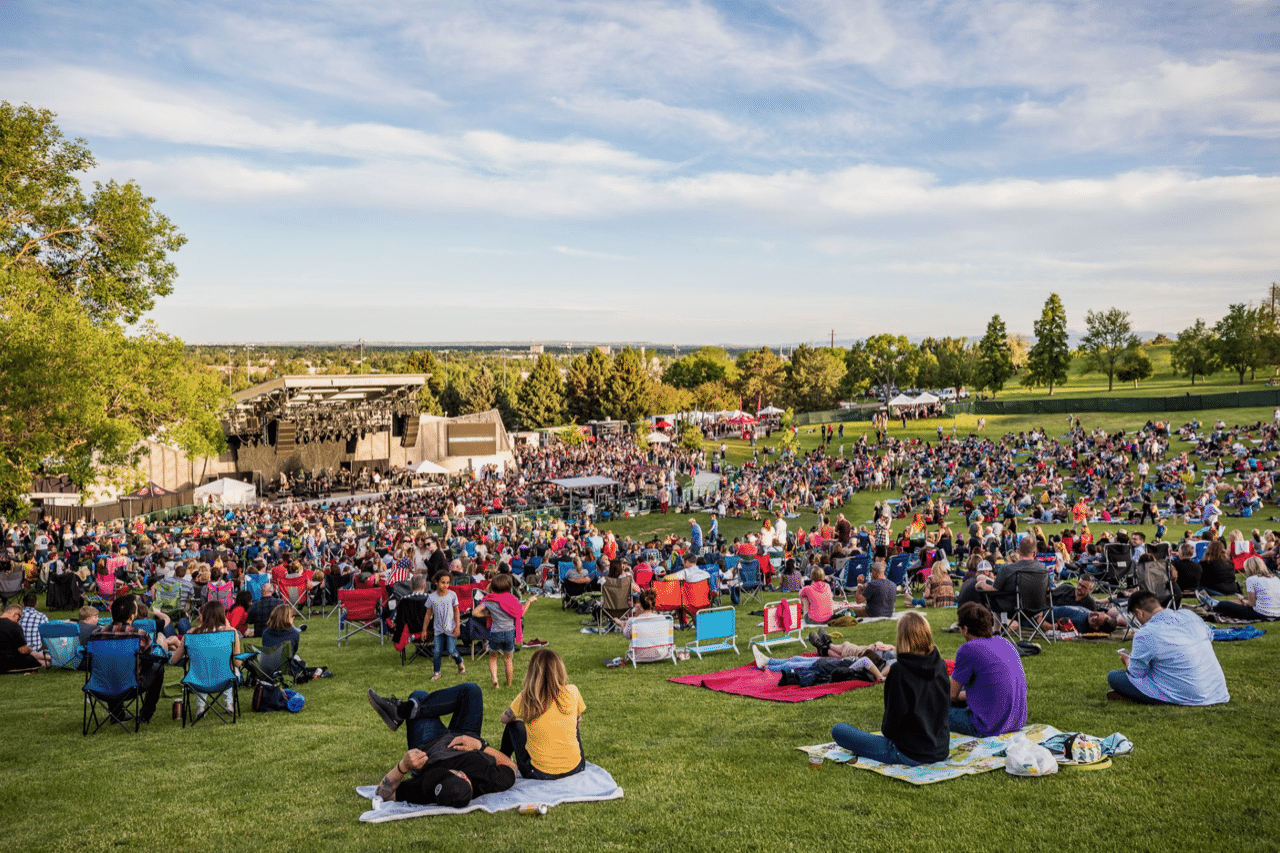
[1119,681]
[876,747]
[445,644]
[960,721]
[465,702]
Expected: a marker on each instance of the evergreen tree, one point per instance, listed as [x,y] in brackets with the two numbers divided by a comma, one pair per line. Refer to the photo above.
[541,398]
[628,397]
[587,387]
[761,375]
[480,393]
[995,359]
[1049,359]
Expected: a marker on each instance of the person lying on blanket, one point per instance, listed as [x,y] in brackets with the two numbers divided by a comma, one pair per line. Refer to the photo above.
[446,765]
[806,671]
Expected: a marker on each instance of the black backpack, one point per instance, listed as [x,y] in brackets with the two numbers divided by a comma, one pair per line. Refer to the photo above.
[269,696]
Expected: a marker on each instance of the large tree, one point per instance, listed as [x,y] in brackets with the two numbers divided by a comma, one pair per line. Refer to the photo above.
[1108,335]
[1049,359]
[708,364]
[109,250]
[957,362]
[1134,366]
[78,394]
[82,384]
[761,374]
[1239,346]
[480,394]
[587,387]
[1195,352]
[816,375]
[541,398]
[885,360]
[628,396]
[995,359]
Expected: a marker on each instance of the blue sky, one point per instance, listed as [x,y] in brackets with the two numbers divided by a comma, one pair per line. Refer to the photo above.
[741,172]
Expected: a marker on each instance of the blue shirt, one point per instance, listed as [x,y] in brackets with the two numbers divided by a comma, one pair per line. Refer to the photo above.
[695,535]
[1173,660]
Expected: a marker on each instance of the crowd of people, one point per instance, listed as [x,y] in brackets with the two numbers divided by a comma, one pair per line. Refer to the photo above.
[1015,501]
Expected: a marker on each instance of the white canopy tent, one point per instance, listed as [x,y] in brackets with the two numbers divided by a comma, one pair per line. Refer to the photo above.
[926,398]
[656,437]
[771,410]
[226,491]
[902,400]
[426,466]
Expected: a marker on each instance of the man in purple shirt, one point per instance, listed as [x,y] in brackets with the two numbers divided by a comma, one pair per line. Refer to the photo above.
[988,687]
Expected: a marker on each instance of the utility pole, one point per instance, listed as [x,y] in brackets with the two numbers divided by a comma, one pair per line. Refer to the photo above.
[833,338]
[362,356]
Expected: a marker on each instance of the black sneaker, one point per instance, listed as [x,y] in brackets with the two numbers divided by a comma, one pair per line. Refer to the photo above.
[387,708]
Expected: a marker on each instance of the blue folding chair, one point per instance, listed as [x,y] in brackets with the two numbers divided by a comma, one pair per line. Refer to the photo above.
[111,683]
[209,672]
[716,630]
[62,641]
[896,570]
[859,564]
[255,582]
[751,579]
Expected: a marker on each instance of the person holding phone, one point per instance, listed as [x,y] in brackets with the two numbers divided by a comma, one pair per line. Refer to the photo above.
[1172,663]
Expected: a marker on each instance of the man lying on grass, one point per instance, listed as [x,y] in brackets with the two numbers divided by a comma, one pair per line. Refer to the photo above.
[445,765]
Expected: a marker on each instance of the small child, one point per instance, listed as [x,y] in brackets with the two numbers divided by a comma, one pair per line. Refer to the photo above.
[505,612]
[88,622]
[446,622]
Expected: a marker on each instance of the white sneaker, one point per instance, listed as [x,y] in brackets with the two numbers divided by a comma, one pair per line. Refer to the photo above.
[762,660]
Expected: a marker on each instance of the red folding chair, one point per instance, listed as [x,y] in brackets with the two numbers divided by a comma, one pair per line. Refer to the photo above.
[297,592]
[360,610]
[694,597]
[669,598]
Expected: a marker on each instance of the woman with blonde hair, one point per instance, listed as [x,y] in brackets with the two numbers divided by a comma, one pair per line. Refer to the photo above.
[1239,549]
[541,732]
[1261,600]
[916,702]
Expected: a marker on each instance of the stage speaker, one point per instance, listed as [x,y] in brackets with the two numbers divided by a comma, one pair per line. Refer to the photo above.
[351,444]
[286,437]
[397,425]
[410,437]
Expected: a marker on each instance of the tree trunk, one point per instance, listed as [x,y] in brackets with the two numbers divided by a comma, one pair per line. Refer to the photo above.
[1111,381]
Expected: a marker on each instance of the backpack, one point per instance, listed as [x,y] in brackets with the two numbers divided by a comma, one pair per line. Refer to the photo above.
[268,696]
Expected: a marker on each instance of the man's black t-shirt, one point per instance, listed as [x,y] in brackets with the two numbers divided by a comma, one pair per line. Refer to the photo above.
[485,774]
[12,639]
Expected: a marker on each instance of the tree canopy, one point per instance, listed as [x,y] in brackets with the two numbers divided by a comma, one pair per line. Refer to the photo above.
[1108,334]
[81,384]
[1195,352]
[1049,359]
[995,358]
[108,250]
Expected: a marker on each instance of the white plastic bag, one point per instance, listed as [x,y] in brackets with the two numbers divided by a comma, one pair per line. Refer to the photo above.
[1024,758]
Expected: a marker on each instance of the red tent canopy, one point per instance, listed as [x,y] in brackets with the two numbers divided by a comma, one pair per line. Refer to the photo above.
[742,419]
[662,425]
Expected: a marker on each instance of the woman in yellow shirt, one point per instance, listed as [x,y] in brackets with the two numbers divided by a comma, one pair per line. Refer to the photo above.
[541,731]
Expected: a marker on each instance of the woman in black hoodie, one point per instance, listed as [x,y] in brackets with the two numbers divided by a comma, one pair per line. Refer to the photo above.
[916,698]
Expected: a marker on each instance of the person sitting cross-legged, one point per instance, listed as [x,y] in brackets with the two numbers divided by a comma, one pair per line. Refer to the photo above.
[988,686]
[1173,662]
[447,765]
[914,726]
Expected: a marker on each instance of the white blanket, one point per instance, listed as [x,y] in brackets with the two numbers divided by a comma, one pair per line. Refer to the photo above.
[592,784]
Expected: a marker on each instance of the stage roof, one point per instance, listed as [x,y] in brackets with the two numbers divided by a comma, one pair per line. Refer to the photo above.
[308,399]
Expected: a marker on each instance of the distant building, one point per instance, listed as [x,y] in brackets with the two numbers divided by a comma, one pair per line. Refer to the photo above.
[606,349]
[535,349]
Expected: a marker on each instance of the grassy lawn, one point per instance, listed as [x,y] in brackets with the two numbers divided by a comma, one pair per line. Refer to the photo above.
[702,771]
[1164,381]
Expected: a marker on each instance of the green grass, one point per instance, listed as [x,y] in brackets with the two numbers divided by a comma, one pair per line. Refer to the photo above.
[1164,381]
[702,771]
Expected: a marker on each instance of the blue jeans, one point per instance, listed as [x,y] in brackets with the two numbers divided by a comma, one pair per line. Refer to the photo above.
[960,721]
[876,747]
[445,644]
[1119,681]
[465,702]
[793,663]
